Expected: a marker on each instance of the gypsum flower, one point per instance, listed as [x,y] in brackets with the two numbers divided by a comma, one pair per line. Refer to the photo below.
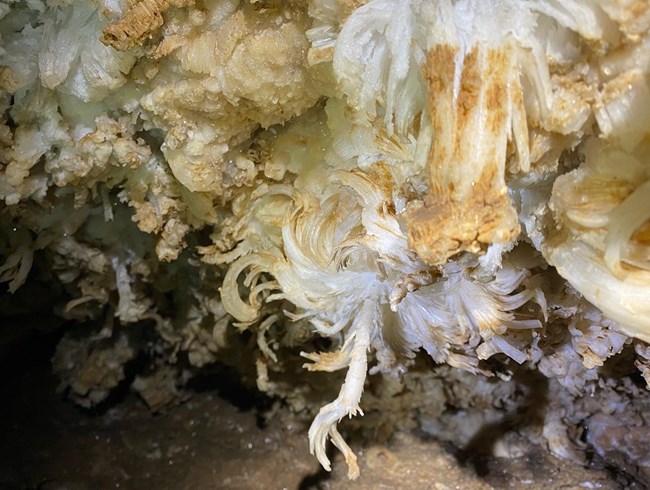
[600,247]
[342,261]
[475,106]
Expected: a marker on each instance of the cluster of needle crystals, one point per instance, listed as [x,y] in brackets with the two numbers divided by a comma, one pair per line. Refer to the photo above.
[467,179]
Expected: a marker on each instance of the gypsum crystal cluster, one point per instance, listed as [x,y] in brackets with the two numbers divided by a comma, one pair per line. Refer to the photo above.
[468,178]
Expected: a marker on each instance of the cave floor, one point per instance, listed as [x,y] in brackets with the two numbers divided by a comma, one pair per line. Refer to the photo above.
[208,442]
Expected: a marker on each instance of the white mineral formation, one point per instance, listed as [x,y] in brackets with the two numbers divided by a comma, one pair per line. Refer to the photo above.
[394,175]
